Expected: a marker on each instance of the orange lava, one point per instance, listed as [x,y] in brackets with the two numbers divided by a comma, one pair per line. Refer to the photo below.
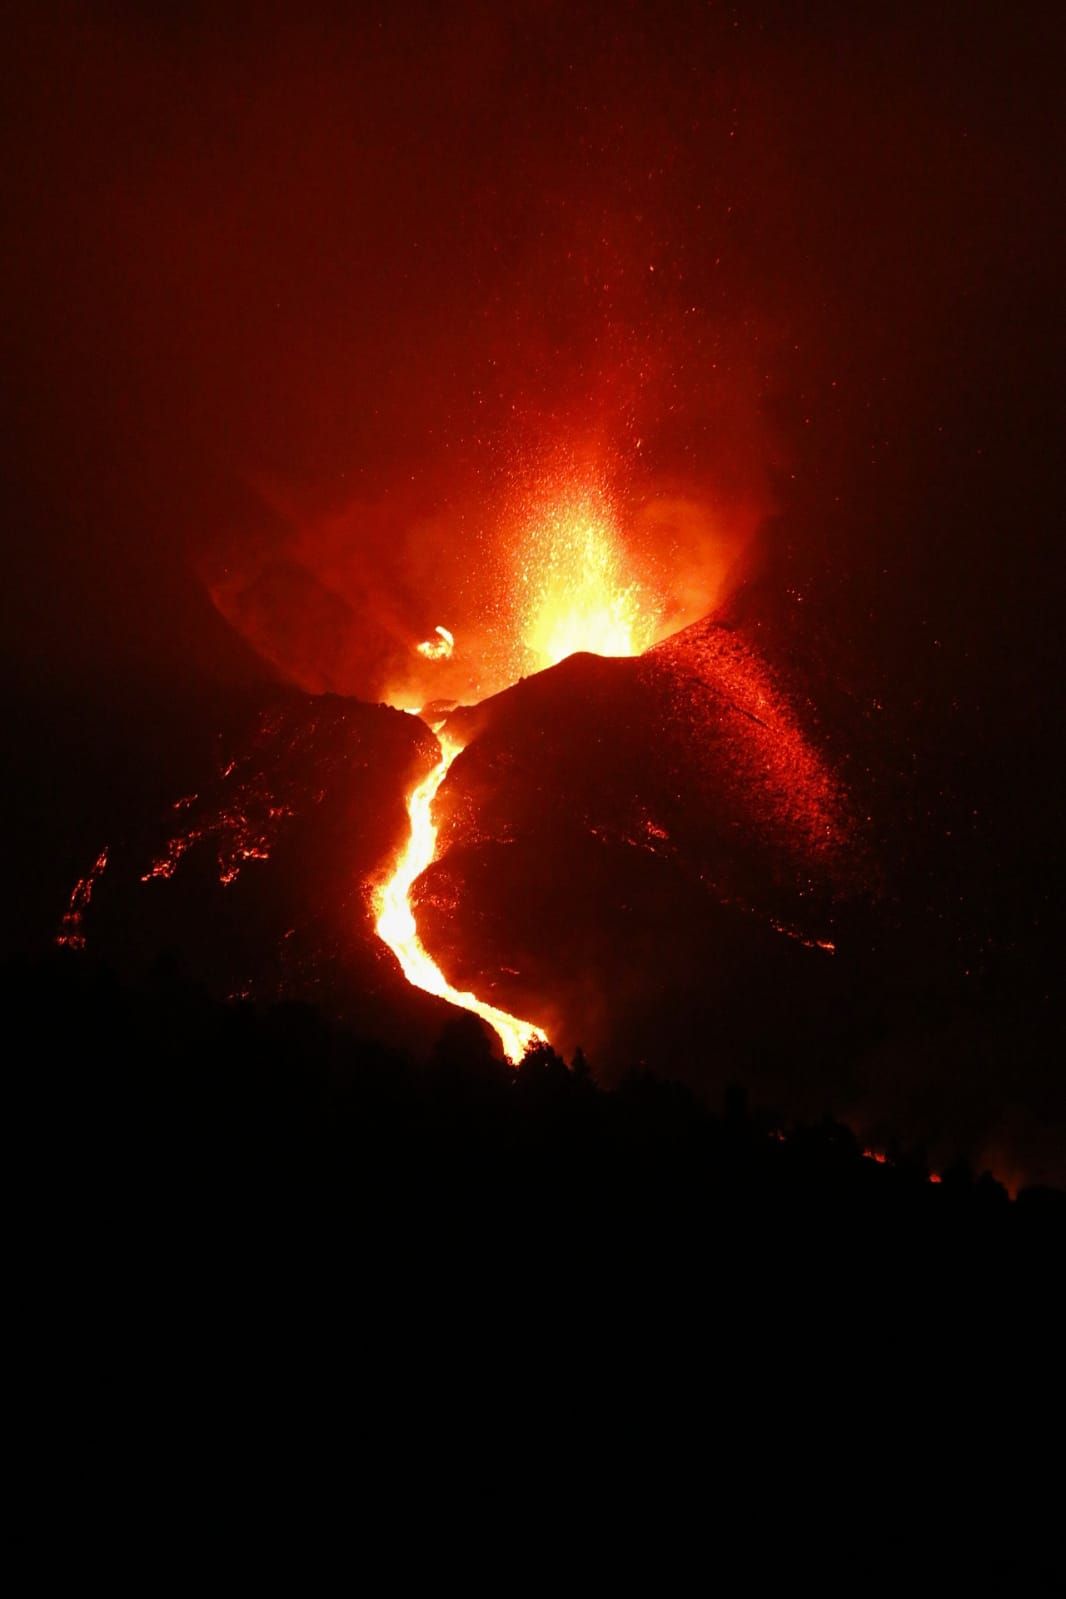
[572,594]
[396,921]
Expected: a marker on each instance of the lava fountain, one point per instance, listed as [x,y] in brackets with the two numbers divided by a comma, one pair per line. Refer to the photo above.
[574,588]
[573,596]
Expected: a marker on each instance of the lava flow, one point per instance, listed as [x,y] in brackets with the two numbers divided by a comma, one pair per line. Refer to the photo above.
[572,597]
[396,922]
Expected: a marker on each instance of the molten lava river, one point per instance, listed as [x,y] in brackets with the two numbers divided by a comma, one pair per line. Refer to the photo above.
[573,597]
[396,920]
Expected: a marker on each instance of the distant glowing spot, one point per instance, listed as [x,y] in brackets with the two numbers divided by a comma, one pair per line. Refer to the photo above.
[439,648]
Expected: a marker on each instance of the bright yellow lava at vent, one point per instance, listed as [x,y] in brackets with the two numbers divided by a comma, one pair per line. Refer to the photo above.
[396,922]
[439,648]
[577,596]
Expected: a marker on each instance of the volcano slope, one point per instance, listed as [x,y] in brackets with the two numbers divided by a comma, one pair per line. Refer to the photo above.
[649,857]
[260,882]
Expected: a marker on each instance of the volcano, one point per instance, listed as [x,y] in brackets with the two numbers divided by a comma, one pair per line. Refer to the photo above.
[634,916]
[654,858]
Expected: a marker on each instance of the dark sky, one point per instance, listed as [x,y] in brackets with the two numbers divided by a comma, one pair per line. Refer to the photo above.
[263,268]
[275,278]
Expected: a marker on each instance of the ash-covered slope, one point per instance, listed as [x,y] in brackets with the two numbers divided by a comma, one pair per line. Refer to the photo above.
[638,852]
[259,879]
[655,858]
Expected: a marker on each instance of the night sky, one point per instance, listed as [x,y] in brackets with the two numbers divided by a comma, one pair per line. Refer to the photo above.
[318,295]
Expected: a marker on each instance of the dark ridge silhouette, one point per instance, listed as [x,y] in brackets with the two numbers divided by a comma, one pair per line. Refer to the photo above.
[151,1119]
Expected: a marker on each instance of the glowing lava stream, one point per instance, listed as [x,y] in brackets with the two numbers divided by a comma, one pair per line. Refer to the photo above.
[572,595]
[396,927]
